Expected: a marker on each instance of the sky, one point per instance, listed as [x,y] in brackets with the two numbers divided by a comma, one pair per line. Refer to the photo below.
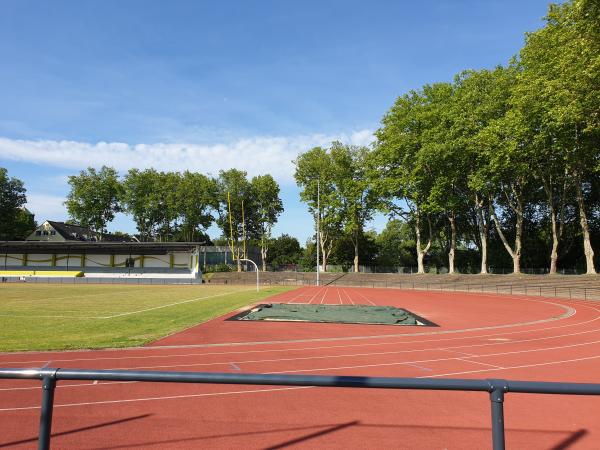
[207,86]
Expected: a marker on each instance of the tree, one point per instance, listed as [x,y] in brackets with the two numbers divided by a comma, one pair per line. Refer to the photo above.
[267,206]
[561,63]
[141,199]
[15,221]
[237,219]
[401,176]
[353,190]
[314,174]
[284,250]
[196,196]
[93,199]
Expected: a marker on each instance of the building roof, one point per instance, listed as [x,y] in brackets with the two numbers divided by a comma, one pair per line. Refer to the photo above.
[97,247]
[72,232]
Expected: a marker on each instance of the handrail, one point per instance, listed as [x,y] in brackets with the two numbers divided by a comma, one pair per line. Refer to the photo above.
[497,388]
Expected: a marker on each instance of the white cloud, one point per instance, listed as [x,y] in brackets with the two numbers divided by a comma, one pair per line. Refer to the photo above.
[256,155]
[46,207]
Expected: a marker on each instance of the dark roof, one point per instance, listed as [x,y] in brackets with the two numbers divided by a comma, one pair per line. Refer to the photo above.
[72,232]
[93,247]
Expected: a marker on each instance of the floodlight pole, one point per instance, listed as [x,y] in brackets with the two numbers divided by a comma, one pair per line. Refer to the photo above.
[256,268]
[318,225]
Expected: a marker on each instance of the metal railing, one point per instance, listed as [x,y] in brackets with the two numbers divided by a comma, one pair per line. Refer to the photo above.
[497,388]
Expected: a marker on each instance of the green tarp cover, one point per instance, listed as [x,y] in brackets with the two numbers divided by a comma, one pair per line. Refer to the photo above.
[384,315]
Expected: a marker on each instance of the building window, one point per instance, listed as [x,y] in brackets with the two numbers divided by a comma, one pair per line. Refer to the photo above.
[45,233]
[38,233]
[52,233]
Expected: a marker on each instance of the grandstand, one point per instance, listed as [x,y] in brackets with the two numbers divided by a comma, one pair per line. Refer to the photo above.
[104,261]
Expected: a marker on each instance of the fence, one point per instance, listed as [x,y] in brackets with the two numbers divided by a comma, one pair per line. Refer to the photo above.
[497,388]
[557,290]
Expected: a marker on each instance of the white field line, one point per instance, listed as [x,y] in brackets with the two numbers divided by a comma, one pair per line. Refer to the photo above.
[170,397]
[174,304]
[125,313]
[287,350]
[570,312]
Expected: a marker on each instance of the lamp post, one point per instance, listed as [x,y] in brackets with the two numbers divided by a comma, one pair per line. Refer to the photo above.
[318,225]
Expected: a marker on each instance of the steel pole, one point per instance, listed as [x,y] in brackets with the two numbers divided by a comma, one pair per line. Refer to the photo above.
[497,404]
[48,387]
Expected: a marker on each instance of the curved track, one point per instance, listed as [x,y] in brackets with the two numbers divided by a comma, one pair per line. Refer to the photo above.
[479,336]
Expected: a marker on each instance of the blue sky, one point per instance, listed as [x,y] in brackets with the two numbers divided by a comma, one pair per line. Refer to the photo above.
[212,85]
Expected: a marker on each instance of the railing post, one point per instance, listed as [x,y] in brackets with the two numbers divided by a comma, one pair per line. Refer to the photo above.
[497,389]
[48,387]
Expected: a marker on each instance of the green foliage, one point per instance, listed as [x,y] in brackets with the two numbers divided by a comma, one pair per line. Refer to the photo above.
[16,222]
[284,250]
[93,199]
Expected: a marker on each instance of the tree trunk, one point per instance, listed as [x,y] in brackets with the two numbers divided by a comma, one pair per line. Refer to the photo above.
[587,245]
[356,268]
[263,257]
[421,252]
[452,243]
[483,228]
[515,253]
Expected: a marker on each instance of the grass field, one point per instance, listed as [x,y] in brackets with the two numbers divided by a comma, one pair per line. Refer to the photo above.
[57,317]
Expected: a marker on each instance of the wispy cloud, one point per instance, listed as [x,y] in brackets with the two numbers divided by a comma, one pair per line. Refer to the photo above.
[256,155]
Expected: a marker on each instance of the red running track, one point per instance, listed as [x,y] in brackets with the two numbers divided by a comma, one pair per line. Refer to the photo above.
[480,336]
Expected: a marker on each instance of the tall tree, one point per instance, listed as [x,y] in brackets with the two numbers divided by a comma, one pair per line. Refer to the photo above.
[561,64]
[15,221]
[400,177]
[93,199]
[141,199]
[267,206]
[196,197]
[353,190]
[237,219]
[315,176]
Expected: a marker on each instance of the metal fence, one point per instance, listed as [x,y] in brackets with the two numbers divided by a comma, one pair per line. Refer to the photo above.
[557,290]
[496,388]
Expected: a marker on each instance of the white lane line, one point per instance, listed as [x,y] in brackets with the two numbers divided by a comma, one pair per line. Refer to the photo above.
[170,397]
[339,296]
[446,349]
[349,298]
[324,294]
[419,367]
[438,359]
[317,292]
[479,362]
[363,296]
[569,312]
[524,366]
[399,342]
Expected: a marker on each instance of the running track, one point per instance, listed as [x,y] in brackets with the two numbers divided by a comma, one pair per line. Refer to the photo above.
[480,336]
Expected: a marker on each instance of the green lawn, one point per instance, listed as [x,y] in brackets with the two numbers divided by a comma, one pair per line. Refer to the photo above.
[56,317]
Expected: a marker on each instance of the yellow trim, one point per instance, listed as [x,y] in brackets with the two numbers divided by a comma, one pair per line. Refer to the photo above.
[112,260]
[53,262]
[41,273]
[24,259]
[171,260]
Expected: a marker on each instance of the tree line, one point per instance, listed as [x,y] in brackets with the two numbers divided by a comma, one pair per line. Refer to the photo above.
[490,156]
[174,206]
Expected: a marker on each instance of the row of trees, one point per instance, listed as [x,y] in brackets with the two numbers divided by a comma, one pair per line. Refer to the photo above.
[173,206]
[483,155]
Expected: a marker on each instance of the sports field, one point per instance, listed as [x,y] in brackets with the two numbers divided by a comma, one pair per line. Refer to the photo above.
[56,317]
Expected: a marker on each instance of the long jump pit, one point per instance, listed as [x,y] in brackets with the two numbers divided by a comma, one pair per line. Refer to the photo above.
[442,335]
